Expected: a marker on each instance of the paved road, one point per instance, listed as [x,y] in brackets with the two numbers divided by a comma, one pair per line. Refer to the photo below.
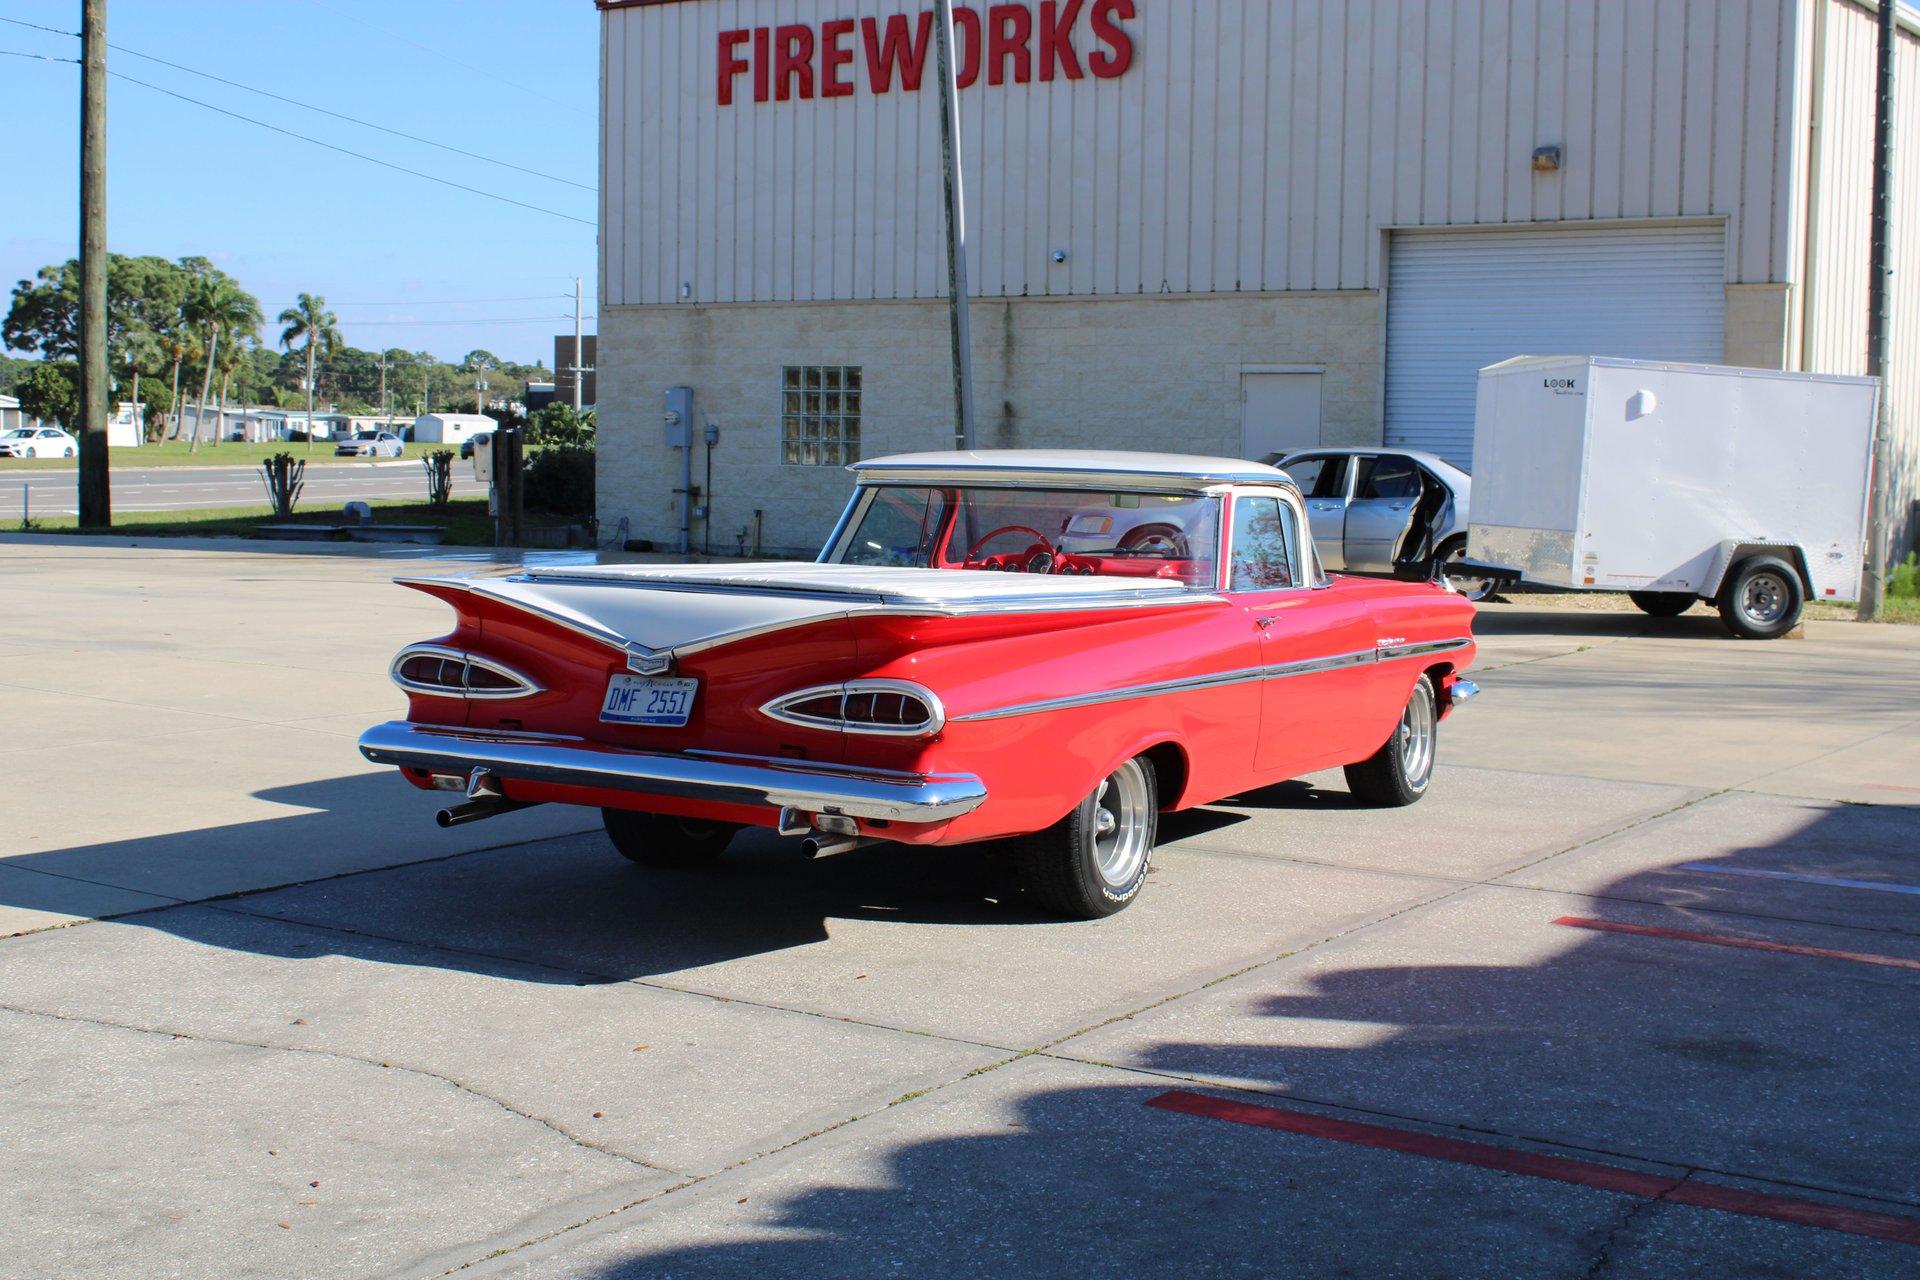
[185,488]
[262,1018]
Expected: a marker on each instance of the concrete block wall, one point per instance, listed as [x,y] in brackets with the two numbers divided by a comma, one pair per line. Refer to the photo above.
[1158,373]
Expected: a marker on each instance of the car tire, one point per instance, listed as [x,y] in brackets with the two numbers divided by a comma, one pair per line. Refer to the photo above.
[1662,604]
[1093,862]
[1399,772]
[1762,598]
[68,452]
[1474,589]
[657,840]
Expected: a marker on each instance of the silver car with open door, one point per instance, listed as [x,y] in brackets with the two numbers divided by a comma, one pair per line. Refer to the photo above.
[1390,512]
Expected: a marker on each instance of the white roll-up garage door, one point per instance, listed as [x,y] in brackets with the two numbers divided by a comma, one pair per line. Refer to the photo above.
[1458,301]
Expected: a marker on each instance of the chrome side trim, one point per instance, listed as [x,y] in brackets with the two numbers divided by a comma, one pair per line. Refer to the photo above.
[726,779]
[1464,689]
[1246,675]
[781,708]
[1423,649]
[526,687]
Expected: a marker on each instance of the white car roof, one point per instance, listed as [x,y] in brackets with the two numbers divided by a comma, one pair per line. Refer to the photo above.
[1432,461]
[1106,466]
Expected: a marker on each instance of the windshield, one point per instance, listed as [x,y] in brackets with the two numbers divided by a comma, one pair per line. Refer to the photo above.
[1086,532]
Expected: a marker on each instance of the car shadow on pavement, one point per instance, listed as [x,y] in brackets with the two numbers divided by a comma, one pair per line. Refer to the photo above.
[1770,1071]
[365,866]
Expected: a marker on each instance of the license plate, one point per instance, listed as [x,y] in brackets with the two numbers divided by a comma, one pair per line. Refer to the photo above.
[649,700]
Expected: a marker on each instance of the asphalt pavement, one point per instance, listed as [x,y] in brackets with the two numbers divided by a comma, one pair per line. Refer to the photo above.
[1630,993]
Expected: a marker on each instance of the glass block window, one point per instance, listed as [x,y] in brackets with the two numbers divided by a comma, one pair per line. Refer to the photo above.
[819,415]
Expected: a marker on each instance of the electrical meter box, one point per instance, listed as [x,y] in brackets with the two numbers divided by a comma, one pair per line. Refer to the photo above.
[679,417]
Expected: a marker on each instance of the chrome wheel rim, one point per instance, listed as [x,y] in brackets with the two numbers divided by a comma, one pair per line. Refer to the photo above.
[1417,738]
[1122,825]
[1472,588]
[1764,598]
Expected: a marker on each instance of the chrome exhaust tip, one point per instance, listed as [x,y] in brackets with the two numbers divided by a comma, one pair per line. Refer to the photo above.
[474,810]
[822,844]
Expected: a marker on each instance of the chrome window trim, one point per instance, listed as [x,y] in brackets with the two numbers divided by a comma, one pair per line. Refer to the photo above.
[1246,675]
[525,687]
[936,720]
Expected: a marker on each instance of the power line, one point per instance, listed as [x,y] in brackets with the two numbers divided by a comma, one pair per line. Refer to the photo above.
[37,27]
[41,57]
[375,324]
[236,84]
[366,124]
[384,164]
[452,302]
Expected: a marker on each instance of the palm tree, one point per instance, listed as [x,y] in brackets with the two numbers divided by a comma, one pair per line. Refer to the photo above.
[309,320]
[218,303]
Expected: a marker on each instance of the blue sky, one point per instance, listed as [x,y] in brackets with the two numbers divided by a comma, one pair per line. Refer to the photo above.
[402,261]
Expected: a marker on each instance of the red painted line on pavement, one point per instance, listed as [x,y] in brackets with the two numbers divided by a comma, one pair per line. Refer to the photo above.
[1585,1173]
[1750,944]
[1888,786]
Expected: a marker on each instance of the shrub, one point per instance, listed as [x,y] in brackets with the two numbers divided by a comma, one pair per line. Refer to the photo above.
[560,481]
[1904,582]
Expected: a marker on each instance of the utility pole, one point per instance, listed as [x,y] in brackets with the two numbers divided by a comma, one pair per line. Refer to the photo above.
[956,226]
[577,375]
[1873,587]
[96,493]
[386,406]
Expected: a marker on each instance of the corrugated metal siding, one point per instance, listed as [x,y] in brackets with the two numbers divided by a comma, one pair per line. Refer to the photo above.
[1254,145]
[1840,210]
[1459,301]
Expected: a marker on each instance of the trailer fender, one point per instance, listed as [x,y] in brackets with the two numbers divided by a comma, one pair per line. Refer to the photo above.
[1732,551]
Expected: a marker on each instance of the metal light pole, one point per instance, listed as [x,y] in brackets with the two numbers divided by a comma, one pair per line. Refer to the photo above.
[1873,587]
[577,375]
[96,495]
[956,226]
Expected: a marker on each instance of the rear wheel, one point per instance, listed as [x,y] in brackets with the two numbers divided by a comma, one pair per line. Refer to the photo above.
[1398,773]
[656,840]
[1762,598]
[1662,604]
[1093,861]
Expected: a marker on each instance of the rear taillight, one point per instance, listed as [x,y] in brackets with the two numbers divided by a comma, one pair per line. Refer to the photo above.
[889,707]
[451,673]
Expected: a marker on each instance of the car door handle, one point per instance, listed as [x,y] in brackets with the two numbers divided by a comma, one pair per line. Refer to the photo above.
[1324,506]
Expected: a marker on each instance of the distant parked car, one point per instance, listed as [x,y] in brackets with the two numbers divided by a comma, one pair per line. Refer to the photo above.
[37,442]
[370,444]
[1391,512]
[471,443]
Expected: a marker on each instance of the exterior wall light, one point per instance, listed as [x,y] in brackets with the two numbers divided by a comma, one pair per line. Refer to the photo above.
[1546,159]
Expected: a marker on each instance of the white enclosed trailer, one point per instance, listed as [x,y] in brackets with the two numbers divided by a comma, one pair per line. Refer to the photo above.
[1675,482]
[451,428]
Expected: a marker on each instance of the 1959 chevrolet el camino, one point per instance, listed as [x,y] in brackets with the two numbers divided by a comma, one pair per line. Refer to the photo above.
[1046,648]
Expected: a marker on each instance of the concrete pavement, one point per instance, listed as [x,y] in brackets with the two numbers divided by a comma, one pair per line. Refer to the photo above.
[261,1018]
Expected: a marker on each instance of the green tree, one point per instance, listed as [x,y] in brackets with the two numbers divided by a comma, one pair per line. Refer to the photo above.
[51,391]
[308,321]
[558,424]
[218,303]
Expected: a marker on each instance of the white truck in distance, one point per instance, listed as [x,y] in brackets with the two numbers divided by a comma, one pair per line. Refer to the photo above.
[1674,483]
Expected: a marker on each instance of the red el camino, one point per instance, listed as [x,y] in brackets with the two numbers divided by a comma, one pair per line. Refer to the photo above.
[1046,648]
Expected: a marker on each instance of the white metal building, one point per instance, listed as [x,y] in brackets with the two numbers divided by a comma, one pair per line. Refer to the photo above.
[1217,226]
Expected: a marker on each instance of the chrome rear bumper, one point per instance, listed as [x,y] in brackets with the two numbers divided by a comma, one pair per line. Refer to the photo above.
[724,779]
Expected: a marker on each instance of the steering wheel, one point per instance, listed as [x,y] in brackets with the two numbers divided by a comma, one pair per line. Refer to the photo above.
[1039,537]
[1162,541]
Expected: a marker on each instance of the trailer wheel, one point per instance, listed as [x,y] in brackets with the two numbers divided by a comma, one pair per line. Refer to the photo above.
[1092,862]
[1762,598]
[1663,604]
[655,840]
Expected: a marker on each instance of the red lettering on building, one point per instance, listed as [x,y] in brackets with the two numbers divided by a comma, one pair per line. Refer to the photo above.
[792,60]
[897,49]
[800,60]
[1107,17]
[1011,28]
[1056,39]
[833,57]
[731,66]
